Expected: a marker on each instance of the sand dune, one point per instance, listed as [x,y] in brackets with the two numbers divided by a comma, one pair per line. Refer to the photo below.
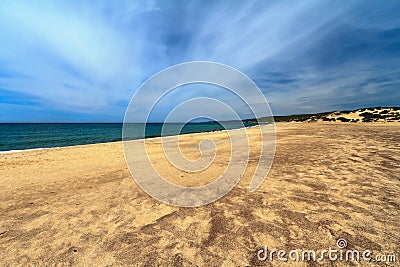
[366,115]
[80,206]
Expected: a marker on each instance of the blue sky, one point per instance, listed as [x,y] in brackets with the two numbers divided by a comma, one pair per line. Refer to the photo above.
[65,61]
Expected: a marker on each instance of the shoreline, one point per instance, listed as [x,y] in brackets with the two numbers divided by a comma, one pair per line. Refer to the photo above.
[119,141]
[205,132]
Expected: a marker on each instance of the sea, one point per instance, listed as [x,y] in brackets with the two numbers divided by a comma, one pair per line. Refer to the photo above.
[22,136]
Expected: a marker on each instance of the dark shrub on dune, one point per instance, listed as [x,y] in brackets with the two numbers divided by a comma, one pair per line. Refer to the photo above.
[369,115]
[343,119]
[328,119]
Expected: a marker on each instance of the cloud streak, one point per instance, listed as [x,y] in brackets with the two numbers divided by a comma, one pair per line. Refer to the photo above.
[83,61]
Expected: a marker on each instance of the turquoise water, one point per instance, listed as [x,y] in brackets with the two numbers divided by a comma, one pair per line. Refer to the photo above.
[19,136]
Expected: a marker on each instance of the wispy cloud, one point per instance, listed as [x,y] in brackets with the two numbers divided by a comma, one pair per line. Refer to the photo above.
[83,60]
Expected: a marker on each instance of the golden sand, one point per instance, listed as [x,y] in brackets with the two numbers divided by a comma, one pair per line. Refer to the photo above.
[80,206]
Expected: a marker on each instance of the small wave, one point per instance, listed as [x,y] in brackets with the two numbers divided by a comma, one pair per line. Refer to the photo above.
[23,150]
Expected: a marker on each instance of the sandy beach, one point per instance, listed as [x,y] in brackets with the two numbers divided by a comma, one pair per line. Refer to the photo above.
[80,206]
